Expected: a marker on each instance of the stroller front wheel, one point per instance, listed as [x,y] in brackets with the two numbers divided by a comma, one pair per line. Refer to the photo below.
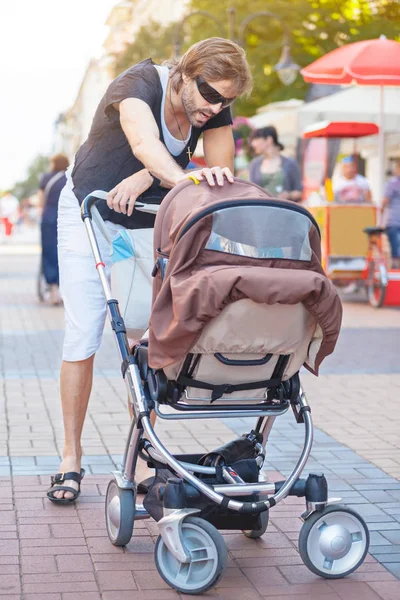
[253,534]
[333,543]
[208,557]
[120,514]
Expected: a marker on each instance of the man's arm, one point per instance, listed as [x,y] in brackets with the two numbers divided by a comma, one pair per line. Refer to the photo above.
[141,130]
[140,127]
[219,147]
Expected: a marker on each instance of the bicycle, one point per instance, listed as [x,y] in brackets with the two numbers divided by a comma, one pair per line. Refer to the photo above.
[375,273]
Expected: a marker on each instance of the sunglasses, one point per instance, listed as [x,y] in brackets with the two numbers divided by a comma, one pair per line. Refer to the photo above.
[211,95]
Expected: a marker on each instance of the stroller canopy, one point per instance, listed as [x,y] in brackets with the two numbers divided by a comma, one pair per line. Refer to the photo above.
[228,243]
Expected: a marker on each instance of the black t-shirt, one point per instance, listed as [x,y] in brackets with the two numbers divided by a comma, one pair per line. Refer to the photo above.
[106,158]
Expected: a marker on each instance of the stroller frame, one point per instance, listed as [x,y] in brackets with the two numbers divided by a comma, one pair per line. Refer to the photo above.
[325,522]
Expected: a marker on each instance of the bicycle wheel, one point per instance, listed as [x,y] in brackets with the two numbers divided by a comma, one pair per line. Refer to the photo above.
[376,284]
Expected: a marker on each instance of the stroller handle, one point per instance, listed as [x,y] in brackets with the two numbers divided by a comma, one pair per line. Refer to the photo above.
[92,198]
[86,207]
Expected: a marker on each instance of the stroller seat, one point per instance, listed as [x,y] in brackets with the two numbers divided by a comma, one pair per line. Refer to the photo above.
[246,343]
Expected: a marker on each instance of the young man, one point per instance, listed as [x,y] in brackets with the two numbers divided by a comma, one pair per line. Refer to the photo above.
[143,135]
[351,187]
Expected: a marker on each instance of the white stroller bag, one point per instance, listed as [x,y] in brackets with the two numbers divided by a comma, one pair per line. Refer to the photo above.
[131,279]
[132,259]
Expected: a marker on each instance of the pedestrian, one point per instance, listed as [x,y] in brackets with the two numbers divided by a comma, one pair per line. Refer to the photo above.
[351,187]
[9,208]
[278,174]
[50,187]
[391,206]
[143,135]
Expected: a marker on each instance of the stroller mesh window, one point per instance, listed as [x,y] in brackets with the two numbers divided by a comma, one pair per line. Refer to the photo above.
[261,232]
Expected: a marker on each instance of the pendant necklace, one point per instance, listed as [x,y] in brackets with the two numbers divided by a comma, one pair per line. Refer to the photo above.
[189,153]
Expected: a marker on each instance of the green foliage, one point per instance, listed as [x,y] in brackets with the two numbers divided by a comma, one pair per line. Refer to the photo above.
[153,41]
[315,27]
[28,186]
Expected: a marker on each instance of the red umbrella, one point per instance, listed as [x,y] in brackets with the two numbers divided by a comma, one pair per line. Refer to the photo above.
[371,62]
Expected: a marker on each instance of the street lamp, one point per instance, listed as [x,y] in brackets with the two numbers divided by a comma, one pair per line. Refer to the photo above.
[286,68]
[180,24]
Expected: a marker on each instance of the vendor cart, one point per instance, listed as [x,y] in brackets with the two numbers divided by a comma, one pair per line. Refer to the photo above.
[351,241]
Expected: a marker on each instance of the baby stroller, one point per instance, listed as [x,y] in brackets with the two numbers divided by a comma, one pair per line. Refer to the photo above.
[240,303]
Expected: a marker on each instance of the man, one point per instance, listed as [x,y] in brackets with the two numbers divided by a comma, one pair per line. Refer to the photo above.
[350,187]
[143,135]
[50,186]
[391,206]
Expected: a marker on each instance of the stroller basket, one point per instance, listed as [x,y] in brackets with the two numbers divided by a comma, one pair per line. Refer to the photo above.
[240,303]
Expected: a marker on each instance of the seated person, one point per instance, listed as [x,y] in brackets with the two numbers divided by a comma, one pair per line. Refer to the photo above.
[391,204]
[351,187]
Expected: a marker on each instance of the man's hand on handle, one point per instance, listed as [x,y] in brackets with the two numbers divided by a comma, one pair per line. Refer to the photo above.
[212,175]
[122,198]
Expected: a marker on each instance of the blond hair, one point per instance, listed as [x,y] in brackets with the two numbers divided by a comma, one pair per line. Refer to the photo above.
[215,59]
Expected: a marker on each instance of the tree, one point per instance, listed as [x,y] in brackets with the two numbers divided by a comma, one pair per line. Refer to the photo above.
[154,40]
[28,186]
[315,26]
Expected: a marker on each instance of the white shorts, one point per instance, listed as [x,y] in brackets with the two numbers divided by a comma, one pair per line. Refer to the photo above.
[80,287]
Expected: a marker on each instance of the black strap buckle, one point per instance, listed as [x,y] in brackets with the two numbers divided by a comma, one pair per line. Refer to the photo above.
[220,390]
[59,478]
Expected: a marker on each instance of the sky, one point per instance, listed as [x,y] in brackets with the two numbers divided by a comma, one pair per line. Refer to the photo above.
[45,48]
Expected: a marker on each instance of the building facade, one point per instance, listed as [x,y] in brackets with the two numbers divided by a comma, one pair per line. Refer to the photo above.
[124,22]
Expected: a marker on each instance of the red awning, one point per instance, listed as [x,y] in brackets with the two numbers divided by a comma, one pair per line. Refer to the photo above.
[340,129]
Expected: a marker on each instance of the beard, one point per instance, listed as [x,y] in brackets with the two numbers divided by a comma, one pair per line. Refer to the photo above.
[197,117]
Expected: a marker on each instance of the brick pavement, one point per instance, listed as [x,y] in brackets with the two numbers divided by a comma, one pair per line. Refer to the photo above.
[50,552]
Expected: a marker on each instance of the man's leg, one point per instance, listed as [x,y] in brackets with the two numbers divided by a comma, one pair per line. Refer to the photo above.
[76,384]
[85,313]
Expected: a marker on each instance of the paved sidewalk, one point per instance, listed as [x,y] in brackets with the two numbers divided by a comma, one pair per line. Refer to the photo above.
[63,553]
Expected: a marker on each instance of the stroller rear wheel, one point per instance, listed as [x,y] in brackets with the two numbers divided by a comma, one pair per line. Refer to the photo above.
[208,557]
[120,514]
[333,543]
[253,534]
